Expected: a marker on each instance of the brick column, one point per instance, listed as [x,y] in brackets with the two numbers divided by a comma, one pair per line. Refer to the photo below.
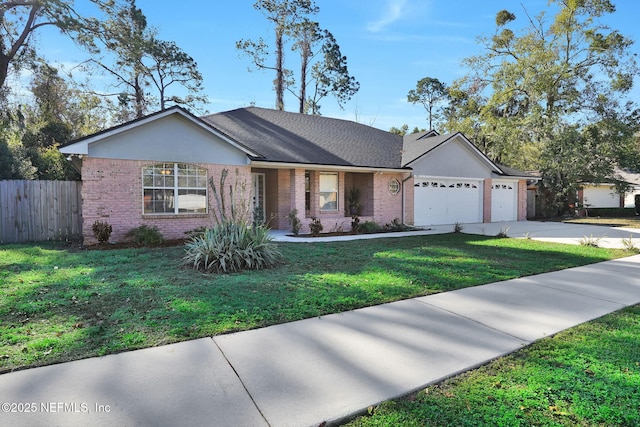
[486,200]
[298,192]
[522,200]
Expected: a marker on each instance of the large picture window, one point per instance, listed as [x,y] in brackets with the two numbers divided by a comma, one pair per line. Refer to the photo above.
[174,188]
[328,191]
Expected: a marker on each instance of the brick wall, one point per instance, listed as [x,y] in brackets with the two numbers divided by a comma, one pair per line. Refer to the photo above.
[384,207]
[112,192]
[387,206]
[522,200]
[409,202]
[486,200]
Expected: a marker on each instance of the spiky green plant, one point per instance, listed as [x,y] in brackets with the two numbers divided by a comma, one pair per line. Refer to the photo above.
[229,247]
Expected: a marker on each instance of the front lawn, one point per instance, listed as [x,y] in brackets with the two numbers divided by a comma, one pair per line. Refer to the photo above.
[58,305]
[586,376]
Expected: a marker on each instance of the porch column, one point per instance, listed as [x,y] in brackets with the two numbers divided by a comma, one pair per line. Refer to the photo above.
[298,191]
[522,200]
[486,200]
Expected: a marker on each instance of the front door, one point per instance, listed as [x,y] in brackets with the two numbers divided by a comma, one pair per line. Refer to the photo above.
[257,197]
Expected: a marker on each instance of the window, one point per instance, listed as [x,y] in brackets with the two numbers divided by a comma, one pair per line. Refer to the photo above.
[328,191]
[174,188]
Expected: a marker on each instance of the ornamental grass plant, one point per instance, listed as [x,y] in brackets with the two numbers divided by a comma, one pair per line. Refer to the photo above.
[230,247]
[232,244]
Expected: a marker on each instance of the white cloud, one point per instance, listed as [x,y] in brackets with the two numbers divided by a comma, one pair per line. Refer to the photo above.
[394,11]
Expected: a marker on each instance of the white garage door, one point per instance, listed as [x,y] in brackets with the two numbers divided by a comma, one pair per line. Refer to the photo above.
[447,201]
[504,201]
[603,196]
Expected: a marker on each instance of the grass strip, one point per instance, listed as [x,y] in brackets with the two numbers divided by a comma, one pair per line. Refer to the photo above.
[585,376]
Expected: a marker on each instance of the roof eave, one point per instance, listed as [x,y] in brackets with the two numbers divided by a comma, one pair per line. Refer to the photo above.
[507,176]
[318,166]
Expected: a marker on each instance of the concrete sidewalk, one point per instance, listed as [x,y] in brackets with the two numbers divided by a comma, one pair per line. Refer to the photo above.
[320,369]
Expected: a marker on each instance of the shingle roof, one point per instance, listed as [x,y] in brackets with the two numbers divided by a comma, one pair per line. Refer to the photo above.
[417,144]
[628,176]
[507,171]
[280,136]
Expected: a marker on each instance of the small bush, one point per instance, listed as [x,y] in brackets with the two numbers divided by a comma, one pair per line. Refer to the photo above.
[102,231]
[231,247]
[355,224]
[457,227]
[395,225]
[369,227]
[258,216]
[611,212]
[315,226]
[590,241]
[294,221]
[503,232]
[629,246]
[145,235]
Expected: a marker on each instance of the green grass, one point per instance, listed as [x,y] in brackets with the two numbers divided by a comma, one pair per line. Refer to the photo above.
[586,376]
[58,305]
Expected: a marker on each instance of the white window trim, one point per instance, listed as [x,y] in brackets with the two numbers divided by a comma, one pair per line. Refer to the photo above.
[176,189]
[337,191]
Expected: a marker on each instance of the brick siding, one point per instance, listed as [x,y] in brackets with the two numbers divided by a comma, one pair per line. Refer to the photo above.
[112,192]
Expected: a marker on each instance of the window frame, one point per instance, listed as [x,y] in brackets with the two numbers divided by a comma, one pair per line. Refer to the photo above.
[199,173]
[336,191]
[394,186]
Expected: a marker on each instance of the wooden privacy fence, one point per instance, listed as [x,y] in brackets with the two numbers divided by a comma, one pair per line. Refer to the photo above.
[40,210]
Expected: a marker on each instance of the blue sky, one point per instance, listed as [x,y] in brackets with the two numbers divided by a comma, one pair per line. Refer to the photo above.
[390,45]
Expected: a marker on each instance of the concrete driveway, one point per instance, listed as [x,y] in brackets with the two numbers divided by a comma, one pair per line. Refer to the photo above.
[559,232]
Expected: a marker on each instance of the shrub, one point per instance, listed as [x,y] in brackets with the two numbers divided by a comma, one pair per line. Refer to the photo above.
[457,227]
[355,224]
[396,225]
[503,232]
[629,246]
[315,226]
[611,212]
[295,222]
[369,227]
[145,235]
[230,247]
[102,231]
[258,216]
[591,241]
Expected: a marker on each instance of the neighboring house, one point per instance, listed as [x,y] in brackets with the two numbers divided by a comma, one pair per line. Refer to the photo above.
[605,195]
[155,171]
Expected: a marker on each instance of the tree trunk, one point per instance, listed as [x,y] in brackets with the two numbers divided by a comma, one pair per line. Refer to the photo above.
[4,68]
[139,96]
[304,63]
[279,69]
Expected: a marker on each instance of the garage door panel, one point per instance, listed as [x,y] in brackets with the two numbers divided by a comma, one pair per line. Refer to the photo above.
[504,201]
[445,201]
